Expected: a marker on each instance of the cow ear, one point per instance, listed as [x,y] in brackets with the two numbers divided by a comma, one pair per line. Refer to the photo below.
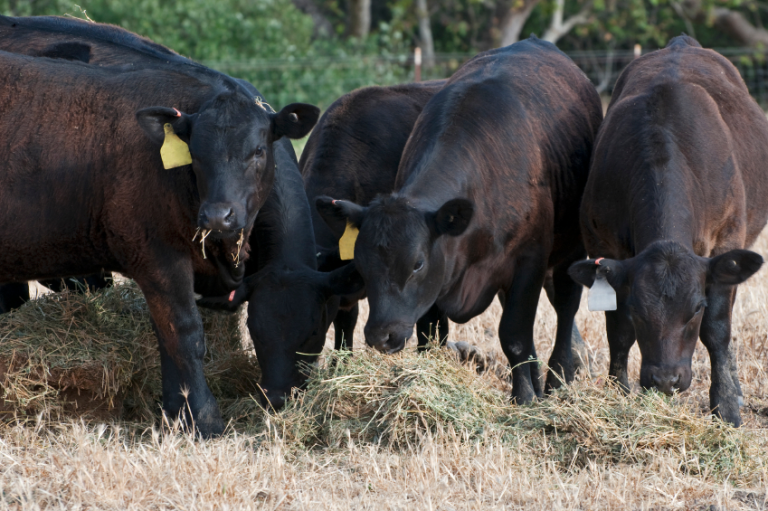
[153,119]
[733,267]
[343,281]
[295,120]
[584,272]
[328,259]
[453,217]
[337,213]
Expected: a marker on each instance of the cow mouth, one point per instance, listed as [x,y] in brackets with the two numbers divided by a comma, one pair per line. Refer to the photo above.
[228,250]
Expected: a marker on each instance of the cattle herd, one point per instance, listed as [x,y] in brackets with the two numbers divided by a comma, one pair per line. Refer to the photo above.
[431,199]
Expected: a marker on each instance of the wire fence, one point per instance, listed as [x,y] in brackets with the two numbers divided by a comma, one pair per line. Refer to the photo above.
[303,79]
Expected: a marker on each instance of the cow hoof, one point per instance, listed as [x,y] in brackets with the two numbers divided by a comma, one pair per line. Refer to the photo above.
[523,398]
[210,429]
[555,380]
[468,353]
[728,411]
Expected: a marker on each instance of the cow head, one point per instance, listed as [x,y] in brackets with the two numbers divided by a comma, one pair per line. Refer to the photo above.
[230,140]
[664,291]
[399,257]
[287,320]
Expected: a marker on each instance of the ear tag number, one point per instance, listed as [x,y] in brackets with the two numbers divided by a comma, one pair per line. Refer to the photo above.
[602,296]
[175,153]
[347,242]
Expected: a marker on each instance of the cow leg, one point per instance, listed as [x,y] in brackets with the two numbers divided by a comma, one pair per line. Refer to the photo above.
[579,351]
[13,295]
[344,327]
[432,325]
[179,329]
[715,333]
[735,372]
[516,328]
[565,298]
[621,337]
[535,370]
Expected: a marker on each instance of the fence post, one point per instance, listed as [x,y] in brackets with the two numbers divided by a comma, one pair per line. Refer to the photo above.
[417,63]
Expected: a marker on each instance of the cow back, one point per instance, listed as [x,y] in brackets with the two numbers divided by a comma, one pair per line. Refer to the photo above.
[680,156]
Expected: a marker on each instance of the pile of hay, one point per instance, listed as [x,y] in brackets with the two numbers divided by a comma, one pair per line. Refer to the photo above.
[95,355]
[401,400]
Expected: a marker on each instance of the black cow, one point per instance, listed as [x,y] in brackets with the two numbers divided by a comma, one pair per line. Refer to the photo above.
[287,296]
[675,193]
[81,157]
[486,200]
[353,154]
[287,312]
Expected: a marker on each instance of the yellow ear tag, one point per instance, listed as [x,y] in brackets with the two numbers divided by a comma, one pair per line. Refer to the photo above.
[347,242]
[175,153]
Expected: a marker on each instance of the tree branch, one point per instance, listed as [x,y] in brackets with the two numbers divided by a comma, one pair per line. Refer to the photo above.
[425,33]
[558,28]
[731,23]
[514,19]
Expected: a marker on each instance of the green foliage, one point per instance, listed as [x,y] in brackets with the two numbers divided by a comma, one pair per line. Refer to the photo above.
[325,70]
[275,46]
[268,42]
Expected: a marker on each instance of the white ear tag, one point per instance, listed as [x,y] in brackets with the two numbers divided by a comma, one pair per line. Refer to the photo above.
[602,296]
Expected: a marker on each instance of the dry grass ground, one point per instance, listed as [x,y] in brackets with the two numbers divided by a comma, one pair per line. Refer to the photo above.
[409,432]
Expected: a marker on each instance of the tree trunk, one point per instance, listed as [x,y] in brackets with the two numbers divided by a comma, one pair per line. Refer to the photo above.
[731,23]
[425,34]
[737,26]
[323,27]
[359,24]
[514,19]
[558,28]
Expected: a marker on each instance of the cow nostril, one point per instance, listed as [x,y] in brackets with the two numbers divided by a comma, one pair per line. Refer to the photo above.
[674,380]
[656,380]
[230,216]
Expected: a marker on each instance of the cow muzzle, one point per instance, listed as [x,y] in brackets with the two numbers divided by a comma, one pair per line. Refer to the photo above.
[274,399]
[221,216]
[666,379]
[387,340]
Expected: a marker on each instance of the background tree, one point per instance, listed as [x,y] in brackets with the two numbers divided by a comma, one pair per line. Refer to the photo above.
[359,18]
[316,50]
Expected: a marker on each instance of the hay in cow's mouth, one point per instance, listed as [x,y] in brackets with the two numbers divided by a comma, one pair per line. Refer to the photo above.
[204,234]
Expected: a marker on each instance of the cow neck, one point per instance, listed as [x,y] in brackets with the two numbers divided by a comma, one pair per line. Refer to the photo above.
[429,185]
[661,208]
[283,229]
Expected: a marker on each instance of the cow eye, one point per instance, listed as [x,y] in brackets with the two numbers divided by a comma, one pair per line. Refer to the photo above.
[259,152]
[418,266]
[700,308]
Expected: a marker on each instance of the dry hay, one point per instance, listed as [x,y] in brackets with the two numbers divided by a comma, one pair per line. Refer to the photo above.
[95,355]
[400,401]
[101,345]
